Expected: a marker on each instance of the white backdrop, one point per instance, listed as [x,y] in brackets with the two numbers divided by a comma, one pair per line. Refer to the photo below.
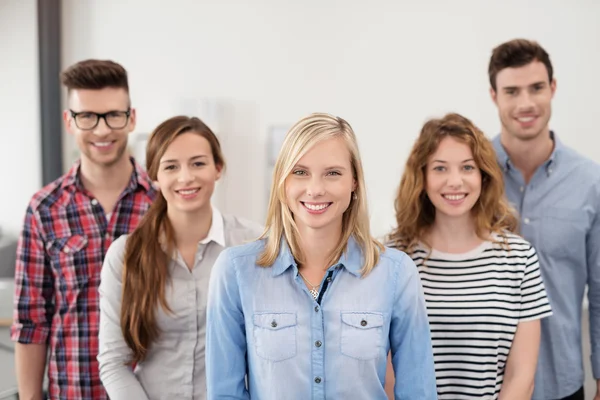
[385,66]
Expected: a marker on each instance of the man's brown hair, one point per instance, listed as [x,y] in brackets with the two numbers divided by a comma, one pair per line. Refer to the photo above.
[517,53]
[95,74]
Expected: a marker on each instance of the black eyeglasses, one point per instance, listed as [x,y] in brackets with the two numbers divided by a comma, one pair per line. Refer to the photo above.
[87,120]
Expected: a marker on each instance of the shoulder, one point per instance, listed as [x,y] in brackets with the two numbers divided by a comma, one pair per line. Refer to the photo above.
[249,251]
[582,166]
[237,259]
[115,256]
[48,196]
[398,262]
[512,242]
[240,230]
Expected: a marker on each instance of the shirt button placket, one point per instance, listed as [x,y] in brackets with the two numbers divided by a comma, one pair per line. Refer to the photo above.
[318,355]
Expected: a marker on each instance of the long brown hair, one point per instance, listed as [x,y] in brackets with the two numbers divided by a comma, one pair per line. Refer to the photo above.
[414,211]
[145,271]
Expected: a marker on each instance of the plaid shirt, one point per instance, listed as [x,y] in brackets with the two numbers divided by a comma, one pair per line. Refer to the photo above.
[59,258]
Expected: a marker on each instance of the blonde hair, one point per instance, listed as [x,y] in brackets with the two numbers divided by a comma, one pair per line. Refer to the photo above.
[414,211]
[304,135]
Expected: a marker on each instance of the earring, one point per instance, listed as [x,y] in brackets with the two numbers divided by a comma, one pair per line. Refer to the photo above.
[354,196]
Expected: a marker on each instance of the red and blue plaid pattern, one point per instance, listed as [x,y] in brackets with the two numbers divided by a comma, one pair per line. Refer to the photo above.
[59,258]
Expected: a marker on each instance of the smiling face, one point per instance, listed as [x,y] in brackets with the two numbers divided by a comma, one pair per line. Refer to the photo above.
[523,97]
[187,174]
[453,180]
[101,145]
[319,188]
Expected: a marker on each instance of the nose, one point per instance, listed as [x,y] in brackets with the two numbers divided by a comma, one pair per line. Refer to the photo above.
[185,175]
[315,187]
[526,103]
[455,179]
[101,129]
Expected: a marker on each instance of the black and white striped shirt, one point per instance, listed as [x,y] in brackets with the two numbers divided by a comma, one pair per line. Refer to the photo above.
[475,301]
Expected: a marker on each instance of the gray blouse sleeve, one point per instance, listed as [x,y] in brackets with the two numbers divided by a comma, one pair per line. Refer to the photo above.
[117,377]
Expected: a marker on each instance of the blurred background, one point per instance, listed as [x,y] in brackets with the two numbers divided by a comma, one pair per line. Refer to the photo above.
[250,69]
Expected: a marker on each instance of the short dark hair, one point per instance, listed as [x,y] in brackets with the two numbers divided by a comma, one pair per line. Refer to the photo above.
[95,75]
[517,53]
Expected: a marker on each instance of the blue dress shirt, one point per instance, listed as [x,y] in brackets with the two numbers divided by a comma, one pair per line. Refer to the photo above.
[559,213]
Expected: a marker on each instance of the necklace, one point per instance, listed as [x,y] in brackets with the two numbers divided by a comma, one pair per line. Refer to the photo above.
[315,289]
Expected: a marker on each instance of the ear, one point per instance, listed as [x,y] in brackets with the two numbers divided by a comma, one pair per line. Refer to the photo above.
[132,119]
[494,95]
[219,171]
[68,120]
[553,87]
[354,185]
[156,185]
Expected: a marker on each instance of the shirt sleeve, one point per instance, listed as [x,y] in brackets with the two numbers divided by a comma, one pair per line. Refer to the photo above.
[225,334]
[593,273]
[113,356]
[410,337]
[34,285]
[534,301]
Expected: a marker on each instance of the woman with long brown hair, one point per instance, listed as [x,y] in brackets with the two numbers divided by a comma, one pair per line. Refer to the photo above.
[482,284]
[155,280]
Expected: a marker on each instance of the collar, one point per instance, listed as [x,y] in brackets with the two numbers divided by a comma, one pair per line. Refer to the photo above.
[549,164]
[351,258]
[139,177]
[216,233]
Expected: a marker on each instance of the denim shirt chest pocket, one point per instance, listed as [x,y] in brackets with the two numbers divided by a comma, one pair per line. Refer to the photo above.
[275,335]
[362,334]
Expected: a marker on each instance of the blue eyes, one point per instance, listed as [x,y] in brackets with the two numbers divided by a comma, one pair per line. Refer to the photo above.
[301,172]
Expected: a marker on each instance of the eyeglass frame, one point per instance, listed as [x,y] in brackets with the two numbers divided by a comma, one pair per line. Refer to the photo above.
[99,116]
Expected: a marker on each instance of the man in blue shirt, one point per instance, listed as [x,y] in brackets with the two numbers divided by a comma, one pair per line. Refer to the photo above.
[557,194]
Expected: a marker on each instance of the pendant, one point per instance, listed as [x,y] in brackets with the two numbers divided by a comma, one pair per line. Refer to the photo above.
[314,292]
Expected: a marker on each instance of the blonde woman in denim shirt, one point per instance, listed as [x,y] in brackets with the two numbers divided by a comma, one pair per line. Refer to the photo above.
[310,310]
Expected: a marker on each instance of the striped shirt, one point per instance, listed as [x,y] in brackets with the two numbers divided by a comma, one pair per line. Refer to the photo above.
[475,301]
[59,258]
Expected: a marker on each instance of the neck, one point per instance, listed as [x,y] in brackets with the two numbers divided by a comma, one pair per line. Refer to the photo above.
[318,245]
[453,235]
[105,178]
[190,228]
[528,155]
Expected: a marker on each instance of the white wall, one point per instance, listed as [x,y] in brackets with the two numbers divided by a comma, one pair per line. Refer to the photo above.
[20,156]
[385,66]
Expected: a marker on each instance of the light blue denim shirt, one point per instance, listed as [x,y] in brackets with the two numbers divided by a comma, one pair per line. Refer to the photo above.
[560,215]
[263,322]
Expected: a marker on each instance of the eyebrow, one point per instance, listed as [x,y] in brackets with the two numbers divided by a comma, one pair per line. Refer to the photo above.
[191,159]
[327,169]
[446,162]
[540,83]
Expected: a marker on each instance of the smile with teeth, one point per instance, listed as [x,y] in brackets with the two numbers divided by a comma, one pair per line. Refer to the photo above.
[454,197]
[316,207]
[102,144]
[187,191]
[525,119]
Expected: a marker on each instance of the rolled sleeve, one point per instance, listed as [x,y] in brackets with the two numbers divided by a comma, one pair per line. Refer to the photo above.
[34,285]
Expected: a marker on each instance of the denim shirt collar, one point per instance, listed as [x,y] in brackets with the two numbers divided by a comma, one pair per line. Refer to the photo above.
[351,259]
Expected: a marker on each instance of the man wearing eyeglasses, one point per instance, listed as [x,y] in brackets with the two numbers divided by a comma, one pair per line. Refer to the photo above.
[69,225]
